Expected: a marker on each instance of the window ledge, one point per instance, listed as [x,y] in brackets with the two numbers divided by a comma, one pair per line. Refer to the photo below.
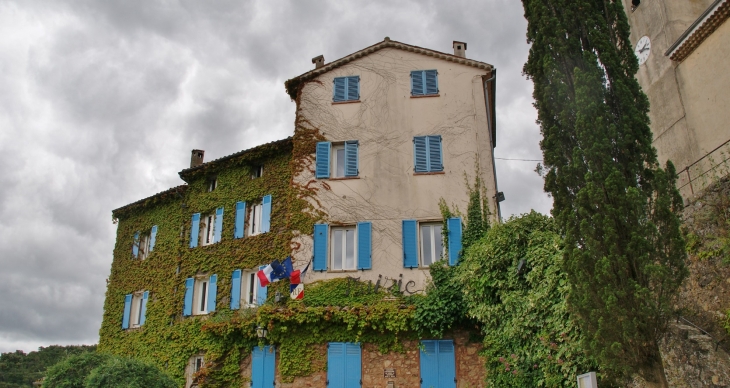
[344,178]
[341,270]
[430,173]
[426,95]
[345,102]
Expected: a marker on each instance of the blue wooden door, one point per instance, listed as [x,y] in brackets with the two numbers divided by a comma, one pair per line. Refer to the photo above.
[263,367]
[438,365]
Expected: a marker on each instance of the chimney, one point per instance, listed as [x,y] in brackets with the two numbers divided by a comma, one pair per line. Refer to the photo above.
[460,49]
[196,159]
[318,61]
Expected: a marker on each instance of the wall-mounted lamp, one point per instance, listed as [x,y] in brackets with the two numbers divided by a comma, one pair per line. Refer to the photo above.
[499,196]
[261,332]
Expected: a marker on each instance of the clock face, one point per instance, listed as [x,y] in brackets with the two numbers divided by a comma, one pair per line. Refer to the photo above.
[643,49]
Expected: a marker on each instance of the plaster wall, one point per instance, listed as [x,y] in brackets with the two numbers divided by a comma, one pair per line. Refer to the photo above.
[384,121]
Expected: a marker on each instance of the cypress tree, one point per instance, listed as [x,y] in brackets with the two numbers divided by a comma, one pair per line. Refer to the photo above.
[617,208]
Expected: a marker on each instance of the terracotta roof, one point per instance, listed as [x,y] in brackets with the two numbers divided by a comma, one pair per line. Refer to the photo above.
[213,163]
[293,84]
[159,196]
[705,25]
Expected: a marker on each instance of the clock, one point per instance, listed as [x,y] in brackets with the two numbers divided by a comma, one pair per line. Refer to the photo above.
[643,49]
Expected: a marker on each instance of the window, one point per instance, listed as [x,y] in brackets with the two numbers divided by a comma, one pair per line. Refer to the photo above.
[263,364]
[200,295]
[343,247]
[341,159]
[258,172]
[427,156]
[431,243]
[346,89]
[212,183]
[144,243]
[424,82]
[195,364]
[207,228]
[344,365]
[135,309]
[438,366]
[635,4]
[246,290]
[259,218]
[423,242]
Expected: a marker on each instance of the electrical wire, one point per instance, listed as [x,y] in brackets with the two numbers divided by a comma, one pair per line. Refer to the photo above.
[522,160]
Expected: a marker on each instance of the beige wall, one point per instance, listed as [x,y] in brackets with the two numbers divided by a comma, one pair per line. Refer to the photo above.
[686,99]
[384,122]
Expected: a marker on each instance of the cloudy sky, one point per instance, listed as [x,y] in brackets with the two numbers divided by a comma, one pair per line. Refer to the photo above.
[102,101]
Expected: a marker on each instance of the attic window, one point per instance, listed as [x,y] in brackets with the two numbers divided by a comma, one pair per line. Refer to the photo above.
[212,183]
[635,4]
[258,171]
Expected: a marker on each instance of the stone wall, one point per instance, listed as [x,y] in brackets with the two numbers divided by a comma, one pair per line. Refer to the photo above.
[406,366]
[470,370]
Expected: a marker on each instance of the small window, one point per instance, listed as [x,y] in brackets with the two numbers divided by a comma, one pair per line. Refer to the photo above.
[200,296]
[207,229]
[144,243]
[424,82]
[431,243]
[338,161]
[212,183]
[136,310]
[254,219]
[346,89]
[195,364]
[250,285]
[427,154]
[343,248]
[258,172]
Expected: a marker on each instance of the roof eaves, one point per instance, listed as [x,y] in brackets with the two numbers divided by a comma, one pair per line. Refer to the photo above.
[159,196]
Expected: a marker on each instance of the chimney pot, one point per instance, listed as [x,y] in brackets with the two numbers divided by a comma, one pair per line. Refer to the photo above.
[460,49]
[196,159]
[318,61]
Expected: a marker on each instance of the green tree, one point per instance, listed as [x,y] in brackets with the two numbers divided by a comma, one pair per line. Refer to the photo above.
[617,209]
[19,369]
[128,373]
[73,371]
[529,339]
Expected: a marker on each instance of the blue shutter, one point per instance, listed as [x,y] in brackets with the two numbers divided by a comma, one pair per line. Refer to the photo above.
[431,81]
[261,291]
[257,368]
[353,370]
[269,366]
[143,313]
[351,162]
[420,154]
[135,245]
[240,217]
[417,82]
[429,364]
[353,88]
[195,230]
[236,290]
[410,244]
[218,225]
[435,160]
[266,214]
[127,311]
[340,89]
[212,291]
[364,247]
[322,169]
[336,364]
[446,364]
[320,247]
[153,238]
[188,301]
[454,226]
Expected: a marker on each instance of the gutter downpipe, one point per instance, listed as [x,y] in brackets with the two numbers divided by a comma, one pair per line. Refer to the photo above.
[492,131]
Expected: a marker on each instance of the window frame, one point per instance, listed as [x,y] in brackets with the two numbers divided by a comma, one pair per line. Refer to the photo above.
[336,160]
[212,183]
[419,239]
[258,171]
[255,219]
[427,149]
[207,231]
[195,364]
[332,231]
[347,87]
[424,87]
[201,289]
[249,288]
[135,313]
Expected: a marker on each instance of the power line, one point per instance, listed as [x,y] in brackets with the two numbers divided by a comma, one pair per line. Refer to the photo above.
[522,160]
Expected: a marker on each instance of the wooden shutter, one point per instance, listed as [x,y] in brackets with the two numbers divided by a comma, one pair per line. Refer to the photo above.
[431,82]
[153,238]
[351,160]
[127,311]
[320,247]
[340,89]
[212,292]
[238,229]
[261,291]
[353,88]
[353,370]
[143,312]
[454,226]
[435,160]
[364,245]
[446,364]
[429,364]
[417,83]
[135,245]
[322,169]
[336,364]
[269,375]
[266,214]
[410,244]
[257,368]
[218,229]
[236,290]
[420,154]
[195,230]
[188,301]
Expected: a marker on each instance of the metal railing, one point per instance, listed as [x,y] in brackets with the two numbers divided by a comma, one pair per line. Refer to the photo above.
[716,341]
[702,174]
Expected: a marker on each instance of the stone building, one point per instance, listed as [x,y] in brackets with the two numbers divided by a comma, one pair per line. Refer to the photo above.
[381,136]
[684,51]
